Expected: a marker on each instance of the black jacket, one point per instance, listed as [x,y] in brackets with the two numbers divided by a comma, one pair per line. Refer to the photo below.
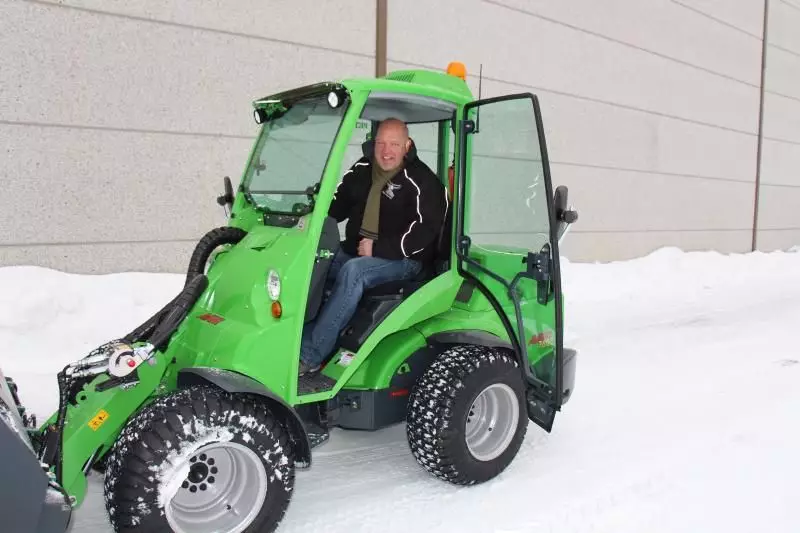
[413,208]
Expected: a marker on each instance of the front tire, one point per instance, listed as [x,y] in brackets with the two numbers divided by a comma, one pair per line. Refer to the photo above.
[200,460]
[466,416]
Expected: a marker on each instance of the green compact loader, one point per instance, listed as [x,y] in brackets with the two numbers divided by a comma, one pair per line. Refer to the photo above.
[198,418]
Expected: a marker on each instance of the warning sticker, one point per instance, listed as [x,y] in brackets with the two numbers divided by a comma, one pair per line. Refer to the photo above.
[98,420]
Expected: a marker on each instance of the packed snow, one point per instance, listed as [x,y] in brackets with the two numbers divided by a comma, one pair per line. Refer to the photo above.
[685,416]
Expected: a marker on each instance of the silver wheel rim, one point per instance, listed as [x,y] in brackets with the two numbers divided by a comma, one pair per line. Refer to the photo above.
[492,422]
[223,491]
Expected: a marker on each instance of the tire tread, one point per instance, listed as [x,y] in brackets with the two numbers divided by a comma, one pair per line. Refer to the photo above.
[433,438]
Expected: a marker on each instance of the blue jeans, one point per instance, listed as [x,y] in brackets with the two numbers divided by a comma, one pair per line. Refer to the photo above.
[348,278]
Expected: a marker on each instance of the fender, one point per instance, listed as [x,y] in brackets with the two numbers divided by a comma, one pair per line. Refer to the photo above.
[234,382]
[470,336]
[484,338]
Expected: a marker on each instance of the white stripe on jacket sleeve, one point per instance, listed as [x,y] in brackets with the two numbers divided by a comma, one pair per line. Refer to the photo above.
[419,214]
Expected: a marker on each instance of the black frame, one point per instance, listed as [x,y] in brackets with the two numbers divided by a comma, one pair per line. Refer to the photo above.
[541,390]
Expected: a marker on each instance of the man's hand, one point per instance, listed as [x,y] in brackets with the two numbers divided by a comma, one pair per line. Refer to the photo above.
[365,247]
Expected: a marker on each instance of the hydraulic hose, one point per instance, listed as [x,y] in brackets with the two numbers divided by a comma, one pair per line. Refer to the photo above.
[211,240]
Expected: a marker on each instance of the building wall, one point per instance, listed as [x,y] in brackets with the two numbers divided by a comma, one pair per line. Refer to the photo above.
[779,194]
[118,120]
[652,124]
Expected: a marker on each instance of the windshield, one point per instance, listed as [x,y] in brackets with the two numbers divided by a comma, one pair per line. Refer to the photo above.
[290,156]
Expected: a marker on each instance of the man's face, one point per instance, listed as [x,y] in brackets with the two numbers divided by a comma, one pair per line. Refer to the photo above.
[391,145]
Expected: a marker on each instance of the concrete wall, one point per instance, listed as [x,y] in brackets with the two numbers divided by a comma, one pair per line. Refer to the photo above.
[779,194]
[652,123]
[118,119]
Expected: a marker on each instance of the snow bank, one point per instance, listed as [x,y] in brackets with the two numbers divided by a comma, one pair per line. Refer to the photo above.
[684,416]
[50,318]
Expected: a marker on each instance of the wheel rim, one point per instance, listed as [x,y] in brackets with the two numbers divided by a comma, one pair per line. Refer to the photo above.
[222,489]
[492,421]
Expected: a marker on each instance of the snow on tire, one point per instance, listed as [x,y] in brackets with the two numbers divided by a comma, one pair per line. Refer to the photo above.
[466,394]
[199,460]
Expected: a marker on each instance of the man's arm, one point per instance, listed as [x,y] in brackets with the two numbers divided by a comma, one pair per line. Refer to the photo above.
[424,222]
[343,197]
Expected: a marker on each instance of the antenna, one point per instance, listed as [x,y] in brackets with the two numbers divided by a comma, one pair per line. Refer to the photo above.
[480,79]
[478,118]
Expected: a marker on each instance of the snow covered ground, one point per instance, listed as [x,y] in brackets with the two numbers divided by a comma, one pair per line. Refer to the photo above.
[685,418]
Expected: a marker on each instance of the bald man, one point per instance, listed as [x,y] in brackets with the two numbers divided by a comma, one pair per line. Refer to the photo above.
[394,206]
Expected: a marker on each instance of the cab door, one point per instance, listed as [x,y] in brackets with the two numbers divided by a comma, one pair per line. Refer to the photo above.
[507,243]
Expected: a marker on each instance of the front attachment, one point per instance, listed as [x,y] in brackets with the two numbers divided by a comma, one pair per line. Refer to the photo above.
[34,502]
[119,360]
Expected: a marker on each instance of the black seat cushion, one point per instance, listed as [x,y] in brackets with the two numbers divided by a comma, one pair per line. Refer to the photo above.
[401,288]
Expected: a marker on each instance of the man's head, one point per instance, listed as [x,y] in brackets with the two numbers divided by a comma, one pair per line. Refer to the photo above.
[391,143]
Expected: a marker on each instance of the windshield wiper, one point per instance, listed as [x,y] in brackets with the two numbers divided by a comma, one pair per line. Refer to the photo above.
[310,191]
[300,193]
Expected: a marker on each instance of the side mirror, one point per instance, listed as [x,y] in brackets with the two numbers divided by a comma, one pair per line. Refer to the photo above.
[564,216]
[227,198]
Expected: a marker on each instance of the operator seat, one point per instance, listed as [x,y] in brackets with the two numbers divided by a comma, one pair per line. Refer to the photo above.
[328,241]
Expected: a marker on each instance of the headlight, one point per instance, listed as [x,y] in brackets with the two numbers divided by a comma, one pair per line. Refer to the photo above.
[273,285]
[259,115]
[337,97]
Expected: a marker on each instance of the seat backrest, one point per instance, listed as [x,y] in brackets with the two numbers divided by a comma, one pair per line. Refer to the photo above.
[442,253]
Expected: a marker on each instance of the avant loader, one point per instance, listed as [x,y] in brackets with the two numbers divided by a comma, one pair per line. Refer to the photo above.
[198,418]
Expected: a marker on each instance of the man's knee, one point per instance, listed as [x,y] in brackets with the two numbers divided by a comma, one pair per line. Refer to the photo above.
[353,270]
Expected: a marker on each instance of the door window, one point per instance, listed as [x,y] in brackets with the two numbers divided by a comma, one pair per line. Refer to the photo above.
[507,200]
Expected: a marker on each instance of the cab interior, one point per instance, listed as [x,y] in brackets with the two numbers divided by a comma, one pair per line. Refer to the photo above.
[429,123]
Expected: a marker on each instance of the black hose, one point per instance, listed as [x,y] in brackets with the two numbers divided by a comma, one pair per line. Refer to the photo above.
[158,329]
[214,238]
[183,303]
[206,245]
[149,325]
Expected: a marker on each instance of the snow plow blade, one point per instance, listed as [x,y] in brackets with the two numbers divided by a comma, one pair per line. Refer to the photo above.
[28,502]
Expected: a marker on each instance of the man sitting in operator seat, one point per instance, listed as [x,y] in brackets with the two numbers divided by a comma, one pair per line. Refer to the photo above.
[394,205]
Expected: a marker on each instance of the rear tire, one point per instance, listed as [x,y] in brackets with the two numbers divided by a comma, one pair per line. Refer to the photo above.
[200,460]
[466,415]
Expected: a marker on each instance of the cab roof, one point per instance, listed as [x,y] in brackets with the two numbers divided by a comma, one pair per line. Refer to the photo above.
[424,82]
[440,85]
